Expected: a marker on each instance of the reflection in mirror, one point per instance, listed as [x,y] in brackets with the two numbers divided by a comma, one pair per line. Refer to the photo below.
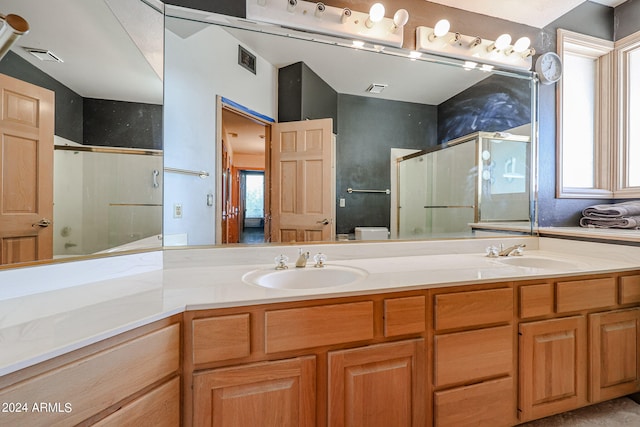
[85,133]
[420,105]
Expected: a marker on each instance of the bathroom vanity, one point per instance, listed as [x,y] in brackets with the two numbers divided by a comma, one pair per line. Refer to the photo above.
[427,338]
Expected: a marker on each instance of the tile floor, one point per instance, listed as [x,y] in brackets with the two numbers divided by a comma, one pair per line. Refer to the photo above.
[614,413]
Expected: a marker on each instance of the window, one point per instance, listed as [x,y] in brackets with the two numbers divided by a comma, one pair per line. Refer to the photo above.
[585,101]
[599,95]
[628,134]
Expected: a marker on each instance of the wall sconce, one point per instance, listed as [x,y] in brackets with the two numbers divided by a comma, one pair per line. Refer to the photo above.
[472,49]
[400,19]
[346,14]
[13,26]
[376,13]
[317,17]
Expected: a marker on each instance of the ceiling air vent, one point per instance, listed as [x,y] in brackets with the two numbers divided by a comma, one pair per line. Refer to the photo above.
[376,87]
[43,54]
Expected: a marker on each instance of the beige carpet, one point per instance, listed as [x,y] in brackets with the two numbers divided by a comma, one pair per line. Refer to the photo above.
[614,413]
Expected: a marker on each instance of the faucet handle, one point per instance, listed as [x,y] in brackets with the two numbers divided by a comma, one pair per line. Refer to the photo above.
[320,259]
[281,262]
[493,251]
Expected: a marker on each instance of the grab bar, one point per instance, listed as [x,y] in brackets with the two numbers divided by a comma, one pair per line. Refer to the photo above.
[449,206]
[351,190]
[201,174]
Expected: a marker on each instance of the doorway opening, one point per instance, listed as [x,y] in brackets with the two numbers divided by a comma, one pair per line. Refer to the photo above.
[243,198]
[252,206]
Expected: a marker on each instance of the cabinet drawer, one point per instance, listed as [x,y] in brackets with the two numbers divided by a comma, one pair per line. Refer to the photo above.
[404,316]
[221,338]
[490,404]
[536,300]
[159,408]
[630,289]
[585,294]
[96,382]
[474,308]
[475,355]
[307,327]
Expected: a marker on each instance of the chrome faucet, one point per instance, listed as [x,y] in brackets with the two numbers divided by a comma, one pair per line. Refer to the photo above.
[302,259]
[512,250]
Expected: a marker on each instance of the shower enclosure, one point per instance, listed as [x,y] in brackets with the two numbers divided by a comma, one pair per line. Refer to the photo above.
[105,198]
[479,181]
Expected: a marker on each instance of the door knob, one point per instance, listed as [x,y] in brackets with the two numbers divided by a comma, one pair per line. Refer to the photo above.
[324,222]
[44,223]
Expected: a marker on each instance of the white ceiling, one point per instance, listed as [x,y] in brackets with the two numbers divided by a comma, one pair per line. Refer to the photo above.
[100,58]
[536,13]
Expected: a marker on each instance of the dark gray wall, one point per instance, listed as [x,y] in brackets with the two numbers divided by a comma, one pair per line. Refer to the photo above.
[92,121]
[68,104]
[122,124]
[627,19]
[367,130]
[495,104]
[303,95]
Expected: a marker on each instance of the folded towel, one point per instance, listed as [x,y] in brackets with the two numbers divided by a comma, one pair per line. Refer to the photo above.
[615,210]
[623,222]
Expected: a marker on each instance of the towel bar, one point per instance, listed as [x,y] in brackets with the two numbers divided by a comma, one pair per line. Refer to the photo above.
[351,190]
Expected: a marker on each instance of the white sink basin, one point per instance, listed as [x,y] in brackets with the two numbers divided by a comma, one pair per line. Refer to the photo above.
[306,278]
[537,263]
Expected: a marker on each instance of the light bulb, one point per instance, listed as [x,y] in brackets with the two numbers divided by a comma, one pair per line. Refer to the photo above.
[501,42]
[400,19]
[521,44]
[376,13]
[441,28]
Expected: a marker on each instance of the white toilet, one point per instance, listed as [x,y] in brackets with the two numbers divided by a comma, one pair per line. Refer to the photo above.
[372,233]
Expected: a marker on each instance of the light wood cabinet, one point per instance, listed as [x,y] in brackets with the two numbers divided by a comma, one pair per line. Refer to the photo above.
[84,389]
[158,408]
[473,358]
[614,358]
[553,366]
[378,386]
[267,394]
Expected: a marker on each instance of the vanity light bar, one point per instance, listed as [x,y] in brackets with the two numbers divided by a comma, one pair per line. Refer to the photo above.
[471,49]
[319,18]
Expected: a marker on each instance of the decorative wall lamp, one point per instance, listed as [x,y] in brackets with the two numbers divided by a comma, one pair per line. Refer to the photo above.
[13,26]
[475,51]
[371,27]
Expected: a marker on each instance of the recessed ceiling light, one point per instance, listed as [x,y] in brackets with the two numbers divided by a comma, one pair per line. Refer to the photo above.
[376,87]
[43,54]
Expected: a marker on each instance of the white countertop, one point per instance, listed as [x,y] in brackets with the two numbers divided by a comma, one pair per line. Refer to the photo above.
[53,317]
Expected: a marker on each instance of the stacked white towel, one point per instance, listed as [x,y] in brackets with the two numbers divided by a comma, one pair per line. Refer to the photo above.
[617,215]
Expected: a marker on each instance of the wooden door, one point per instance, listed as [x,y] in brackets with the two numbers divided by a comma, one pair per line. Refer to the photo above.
[302,181]
[553,366]
[614,359]
[378,386]
[268,394]
[26,171]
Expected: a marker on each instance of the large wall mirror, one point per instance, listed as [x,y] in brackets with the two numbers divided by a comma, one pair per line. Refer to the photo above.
[102,62]
[422,147]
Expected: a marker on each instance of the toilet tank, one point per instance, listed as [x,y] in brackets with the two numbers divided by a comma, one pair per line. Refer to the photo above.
[372,233]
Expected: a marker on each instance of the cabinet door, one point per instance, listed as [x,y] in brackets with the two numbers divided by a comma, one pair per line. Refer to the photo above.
[553,366]
[614,364]
[268,394]
[378,386]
